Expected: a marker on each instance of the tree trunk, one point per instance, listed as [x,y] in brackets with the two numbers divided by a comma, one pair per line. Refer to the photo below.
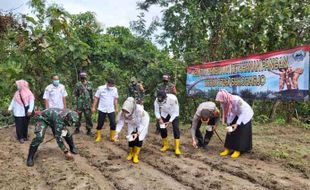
[272,114]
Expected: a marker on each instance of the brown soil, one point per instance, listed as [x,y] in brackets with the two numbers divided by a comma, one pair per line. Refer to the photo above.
[279,160]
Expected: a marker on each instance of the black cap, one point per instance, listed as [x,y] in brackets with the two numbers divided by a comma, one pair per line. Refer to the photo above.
[111,81]
[161,96]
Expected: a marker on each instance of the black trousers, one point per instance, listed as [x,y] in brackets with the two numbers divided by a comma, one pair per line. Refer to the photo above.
[241,138]
[101,118]
[175,125]
[204,141]
[134,143]
[21,124]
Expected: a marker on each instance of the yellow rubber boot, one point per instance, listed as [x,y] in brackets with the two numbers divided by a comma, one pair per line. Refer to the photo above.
[165,145]
[225,152]
[236,154]
[112,135]
[177,147]
[130,155]
[98,136]
[136,154]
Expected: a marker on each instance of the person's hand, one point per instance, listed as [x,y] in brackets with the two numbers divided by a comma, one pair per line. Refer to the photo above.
[116,138]
[135,136]
[93,109]
[234,126]
[69,156]
[78,111]
[161,121]
[29,114]
[194,143]
[167,124]
[116,109]
[214,127]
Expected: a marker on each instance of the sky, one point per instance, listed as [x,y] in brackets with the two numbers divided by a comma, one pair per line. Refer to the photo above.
[108,12]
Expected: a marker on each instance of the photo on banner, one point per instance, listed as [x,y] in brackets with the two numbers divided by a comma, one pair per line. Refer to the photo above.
[280,74]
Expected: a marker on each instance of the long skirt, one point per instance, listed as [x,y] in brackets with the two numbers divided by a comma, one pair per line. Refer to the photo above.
[241,138]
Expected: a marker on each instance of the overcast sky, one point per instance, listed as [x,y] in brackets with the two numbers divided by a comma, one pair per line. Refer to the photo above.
[108,12]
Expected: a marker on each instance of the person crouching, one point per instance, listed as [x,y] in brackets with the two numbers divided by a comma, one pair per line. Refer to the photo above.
[137,120]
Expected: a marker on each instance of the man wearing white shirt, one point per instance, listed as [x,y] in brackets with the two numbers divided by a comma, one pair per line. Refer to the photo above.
[167,112]
[55,94]
[107,96]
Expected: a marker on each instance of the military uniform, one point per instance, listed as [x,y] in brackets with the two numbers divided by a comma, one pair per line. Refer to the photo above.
[135,92]
[168,87]
[83,101]
[57,119]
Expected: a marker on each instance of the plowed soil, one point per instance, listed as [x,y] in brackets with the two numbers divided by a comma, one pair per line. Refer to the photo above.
[279,160]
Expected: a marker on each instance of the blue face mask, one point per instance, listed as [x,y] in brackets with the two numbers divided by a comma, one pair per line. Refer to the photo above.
[56,82]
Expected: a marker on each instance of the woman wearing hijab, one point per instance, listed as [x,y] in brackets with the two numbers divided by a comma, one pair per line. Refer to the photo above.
[237,114]
[22,106]
[137,120]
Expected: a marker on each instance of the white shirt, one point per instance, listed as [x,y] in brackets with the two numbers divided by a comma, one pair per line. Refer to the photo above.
[55,95]
[241,109]
[140,122]
[169,107]
[106,98]
[18,109]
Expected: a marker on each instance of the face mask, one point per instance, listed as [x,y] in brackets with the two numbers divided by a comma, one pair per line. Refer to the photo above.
[83,78]
[165,81]
[56,82]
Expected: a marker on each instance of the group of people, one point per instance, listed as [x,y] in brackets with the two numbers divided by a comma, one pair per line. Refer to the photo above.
[235,112]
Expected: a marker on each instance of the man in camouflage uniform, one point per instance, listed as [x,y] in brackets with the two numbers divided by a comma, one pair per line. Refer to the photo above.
[166,86]
[83,93]
[136,90]
[57,119]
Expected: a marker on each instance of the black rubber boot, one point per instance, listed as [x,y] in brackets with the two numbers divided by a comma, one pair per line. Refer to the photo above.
[73,149]
[32,151]
[208,137]
[89,133]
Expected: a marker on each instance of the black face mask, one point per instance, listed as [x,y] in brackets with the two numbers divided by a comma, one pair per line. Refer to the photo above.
[165,81]
[83,78]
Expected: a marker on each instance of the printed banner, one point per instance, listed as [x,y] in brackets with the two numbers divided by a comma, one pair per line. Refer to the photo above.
[274,75]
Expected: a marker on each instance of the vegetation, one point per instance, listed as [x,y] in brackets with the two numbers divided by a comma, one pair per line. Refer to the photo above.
[194,31]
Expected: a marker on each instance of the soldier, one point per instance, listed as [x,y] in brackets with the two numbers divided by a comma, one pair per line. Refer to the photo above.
[166,85]
[136,90]
[57,119]
[83,93]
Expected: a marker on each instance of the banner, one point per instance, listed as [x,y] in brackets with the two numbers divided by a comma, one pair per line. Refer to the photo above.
[274,75]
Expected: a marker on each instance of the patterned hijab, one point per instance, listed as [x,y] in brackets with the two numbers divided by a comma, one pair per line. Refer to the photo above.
[225,98]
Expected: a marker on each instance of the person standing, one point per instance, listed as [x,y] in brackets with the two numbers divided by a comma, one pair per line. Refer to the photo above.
[136,90]
[83,93]
[57,119]
[22,106]
[208,113]
[166,108]
[137,120]
[55,94]
[166,85]
[237,114]
[107,96]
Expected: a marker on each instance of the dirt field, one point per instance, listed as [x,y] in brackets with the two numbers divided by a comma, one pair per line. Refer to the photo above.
[280,160]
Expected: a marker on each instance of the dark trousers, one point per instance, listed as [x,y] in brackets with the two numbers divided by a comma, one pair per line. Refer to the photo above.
[136,142]
[202,142]
[175,125]
[101,118]
[21,124]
